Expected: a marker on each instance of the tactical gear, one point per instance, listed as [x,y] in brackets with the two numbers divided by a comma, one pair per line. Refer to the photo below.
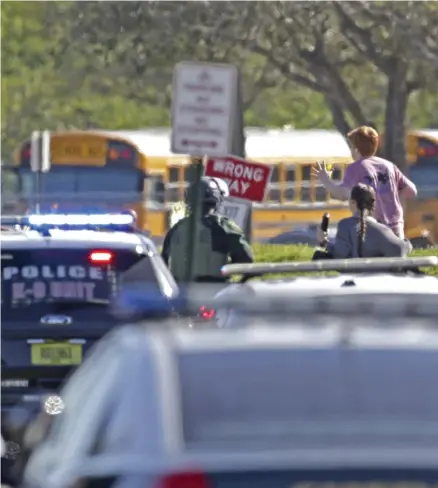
[212,192]
[218,241]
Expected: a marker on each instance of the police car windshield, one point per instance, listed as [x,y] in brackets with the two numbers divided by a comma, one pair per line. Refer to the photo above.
[39,278]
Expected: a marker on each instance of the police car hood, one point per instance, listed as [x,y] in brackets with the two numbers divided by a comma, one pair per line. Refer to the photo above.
[50,286]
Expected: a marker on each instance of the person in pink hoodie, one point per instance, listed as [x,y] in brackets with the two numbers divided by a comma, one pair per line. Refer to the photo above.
[389,183]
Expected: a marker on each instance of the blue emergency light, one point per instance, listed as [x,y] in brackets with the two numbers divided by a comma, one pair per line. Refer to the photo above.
[80,220]
[72,221]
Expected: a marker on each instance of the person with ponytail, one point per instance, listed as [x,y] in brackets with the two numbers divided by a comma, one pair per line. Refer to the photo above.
[361,235]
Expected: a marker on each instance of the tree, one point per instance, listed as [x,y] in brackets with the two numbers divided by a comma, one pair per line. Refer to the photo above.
[390,36]
[320,44]
[305,64]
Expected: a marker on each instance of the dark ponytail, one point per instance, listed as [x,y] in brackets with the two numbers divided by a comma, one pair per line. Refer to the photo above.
[365,199]
[362,232]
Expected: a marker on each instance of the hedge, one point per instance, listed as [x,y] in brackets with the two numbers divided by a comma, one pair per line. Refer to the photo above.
[265,253]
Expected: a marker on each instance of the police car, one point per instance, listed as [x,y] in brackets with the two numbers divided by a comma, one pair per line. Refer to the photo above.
[261,407]
[386,285]
[59,276]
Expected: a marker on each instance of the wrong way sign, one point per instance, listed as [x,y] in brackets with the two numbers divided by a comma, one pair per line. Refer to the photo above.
[203,108]
[245,179]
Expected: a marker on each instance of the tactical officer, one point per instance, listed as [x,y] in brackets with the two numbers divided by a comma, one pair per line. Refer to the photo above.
[219,239]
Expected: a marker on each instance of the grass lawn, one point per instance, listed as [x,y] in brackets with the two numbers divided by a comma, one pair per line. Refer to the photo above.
[265,253]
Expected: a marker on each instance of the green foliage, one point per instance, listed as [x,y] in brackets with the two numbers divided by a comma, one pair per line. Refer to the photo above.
[276,254]
[305,64]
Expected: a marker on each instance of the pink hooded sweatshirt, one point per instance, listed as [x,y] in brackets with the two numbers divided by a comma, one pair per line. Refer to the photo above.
[388,182]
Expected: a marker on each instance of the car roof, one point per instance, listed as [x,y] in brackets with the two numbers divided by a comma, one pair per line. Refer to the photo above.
[74,239]
[357,284]
[191,408]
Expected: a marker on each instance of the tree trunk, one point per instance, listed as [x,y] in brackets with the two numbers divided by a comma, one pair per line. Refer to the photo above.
[395,115]
[338,115]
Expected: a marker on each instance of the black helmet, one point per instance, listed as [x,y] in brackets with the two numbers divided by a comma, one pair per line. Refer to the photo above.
[213,191]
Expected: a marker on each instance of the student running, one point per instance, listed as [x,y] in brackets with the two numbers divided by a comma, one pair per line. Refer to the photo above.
[388,182]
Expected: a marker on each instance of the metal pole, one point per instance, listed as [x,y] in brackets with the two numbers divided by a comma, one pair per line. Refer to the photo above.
[35,163]
[195,202]
[38,186]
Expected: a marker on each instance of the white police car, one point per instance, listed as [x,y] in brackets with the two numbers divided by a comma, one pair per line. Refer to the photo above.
[261,407]
[372,282]
[59,276]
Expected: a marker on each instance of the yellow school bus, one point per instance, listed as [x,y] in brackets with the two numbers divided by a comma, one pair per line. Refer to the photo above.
[136,169]
[294,197]
[421,213]
[93,170]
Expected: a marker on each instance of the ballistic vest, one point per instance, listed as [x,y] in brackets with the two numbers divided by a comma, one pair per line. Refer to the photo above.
[207,262]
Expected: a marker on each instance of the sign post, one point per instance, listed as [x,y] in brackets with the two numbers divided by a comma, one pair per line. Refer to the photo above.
[203,123]
[196,207]
[239,149]
[39,161]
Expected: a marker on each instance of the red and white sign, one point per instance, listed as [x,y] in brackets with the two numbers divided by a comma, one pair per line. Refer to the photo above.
[245,179]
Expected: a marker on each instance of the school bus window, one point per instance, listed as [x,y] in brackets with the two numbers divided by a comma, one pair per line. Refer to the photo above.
[275,174]
[289,193]
[337,174]
[173,174]
[172,194]
[320,194]
[306,172]
[274,195]
[290,173]
[188,173]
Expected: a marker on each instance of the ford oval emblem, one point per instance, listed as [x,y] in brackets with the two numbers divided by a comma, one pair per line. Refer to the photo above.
[56,320]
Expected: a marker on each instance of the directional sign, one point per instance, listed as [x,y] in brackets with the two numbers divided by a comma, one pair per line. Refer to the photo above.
[245,179]
[203,108]
[236,210]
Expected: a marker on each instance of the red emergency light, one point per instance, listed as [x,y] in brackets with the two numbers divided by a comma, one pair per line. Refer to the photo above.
[101,257]
[207,313]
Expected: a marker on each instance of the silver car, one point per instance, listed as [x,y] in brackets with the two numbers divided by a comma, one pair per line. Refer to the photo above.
[266,406]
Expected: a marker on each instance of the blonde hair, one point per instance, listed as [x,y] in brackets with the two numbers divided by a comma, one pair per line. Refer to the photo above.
[365,140]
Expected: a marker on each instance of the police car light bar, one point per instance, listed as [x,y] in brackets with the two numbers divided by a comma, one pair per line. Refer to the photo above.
[70,220]
[341,265]
[80,219]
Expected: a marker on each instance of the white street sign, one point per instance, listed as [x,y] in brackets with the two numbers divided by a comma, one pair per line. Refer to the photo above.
[35,150]
[236,210]
[40,151]
[203,108]
[45,156]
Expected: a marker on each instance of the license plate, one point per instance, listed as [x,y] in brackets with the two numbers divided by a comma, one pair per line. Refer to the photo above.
[56,354]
